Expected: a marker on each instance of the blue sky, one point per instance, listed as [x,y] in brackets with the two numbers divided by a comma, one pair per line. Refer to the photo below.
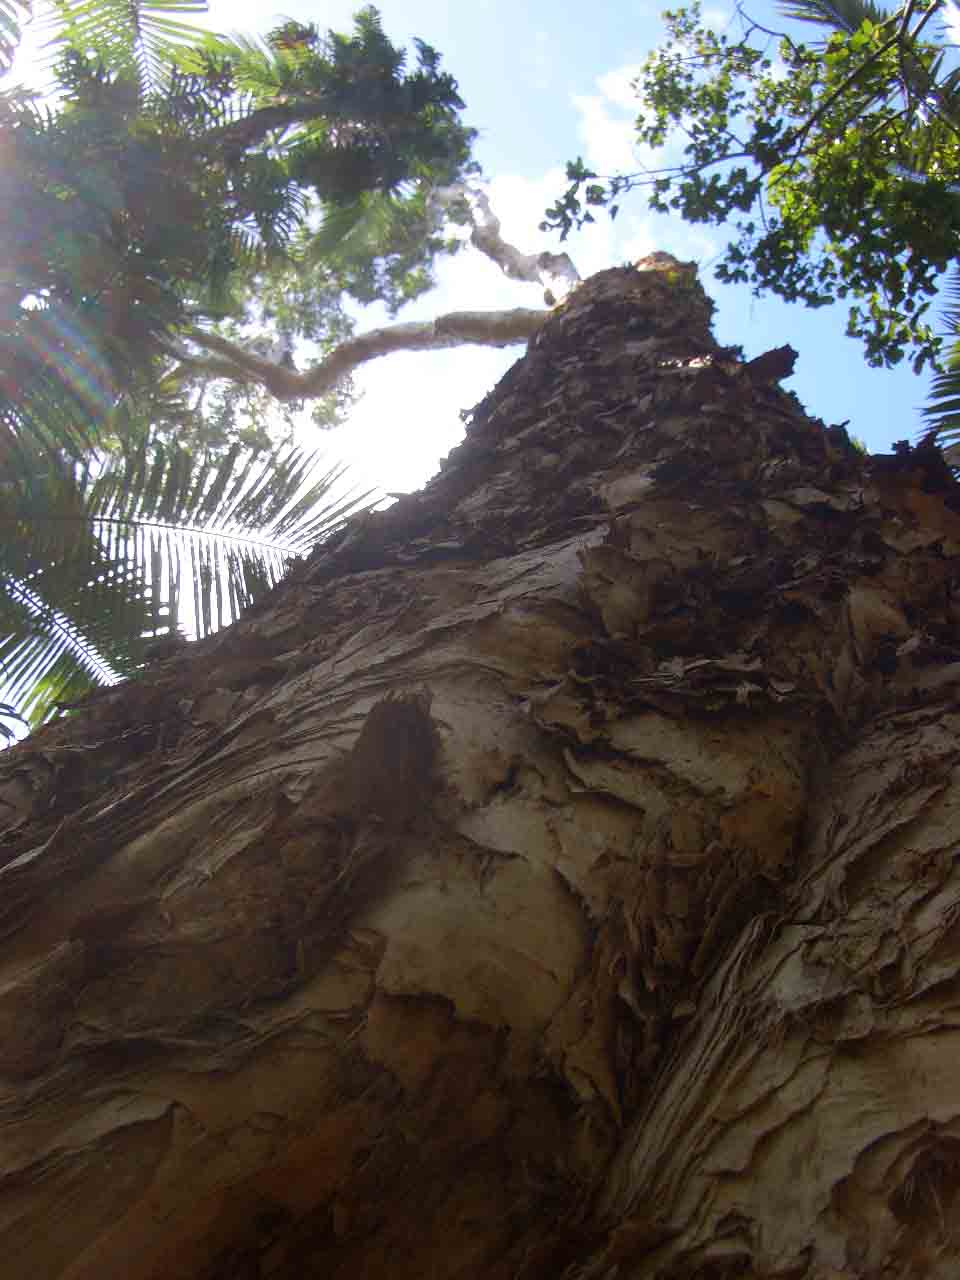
[543,82]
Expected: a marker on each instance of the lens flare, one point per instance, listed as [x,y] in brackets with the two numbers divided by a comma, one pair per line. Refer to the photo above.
[59,338]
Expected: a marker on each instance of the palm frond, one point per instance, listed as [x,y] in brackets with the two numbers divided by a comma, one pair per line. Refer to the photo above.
[199,94]
[219,531]
[96,559]
[942,410]
[11,30]
[842,15]
[8,712]
[70,616]
[361,226]
[255,68]
[131,37]
[49,658]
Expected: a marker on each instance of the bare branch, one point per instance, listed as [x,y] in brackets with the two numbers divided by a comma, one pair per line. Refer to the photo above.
[554,271]
[457,328]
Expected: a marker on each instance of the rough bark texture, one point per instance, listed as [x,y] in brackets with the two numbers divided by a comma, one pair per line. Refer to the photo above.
[556,876]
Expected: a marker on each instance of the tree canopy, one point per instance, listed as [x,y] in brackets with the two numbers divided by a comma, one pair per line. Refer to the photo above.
[169,178]
[837,162]
[183,192]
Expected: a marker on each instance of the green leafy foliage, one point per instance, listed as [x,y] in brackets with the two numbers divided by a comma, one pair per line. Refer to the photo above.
[136,40]
[182,181]
[836,163]
[942,411]
[97,558]
[159,194]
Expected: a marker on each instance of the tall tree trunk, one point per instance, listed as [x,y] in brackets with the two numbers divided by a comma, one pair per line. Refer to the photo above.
[555,876]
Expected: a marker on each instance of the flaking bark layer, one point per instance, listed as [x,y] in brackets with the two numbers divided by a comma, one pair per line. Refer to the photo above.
[558,871]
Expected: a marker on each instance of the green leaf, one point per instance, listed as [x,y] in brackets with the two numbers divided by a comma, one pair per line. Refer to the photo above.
[845,160]
[95,559]
[842,15]
[127,35]
[10,30]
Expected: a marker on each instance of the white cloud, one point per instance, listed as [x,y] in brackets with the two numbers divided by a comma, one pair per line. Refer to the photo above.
[408,418]
[608,137]
[718,19]
[608,129]
[608,123]
[617,86]
[951,20]
[520,203]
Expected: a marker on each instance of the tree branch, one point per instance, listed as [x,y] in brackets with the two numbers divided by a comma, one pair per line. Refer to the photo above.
[554,271]
[457,328]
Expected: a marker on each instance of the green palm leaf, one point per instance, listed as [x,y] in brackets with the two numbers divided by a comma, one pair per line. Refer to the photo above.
[128,36]
[48,657]
[10,30]
[95,560]
[842,15]
[8,712]
[942,410]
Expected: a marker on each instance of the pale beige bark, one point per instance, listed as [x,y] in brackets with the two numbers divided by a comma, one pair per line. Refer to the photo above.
[555,877]
[455,329]
[555,272]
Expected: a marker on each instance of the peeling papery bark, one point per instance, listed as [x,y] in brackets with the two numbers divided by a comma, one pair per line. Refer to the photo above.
[807,1125]
[555,877]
